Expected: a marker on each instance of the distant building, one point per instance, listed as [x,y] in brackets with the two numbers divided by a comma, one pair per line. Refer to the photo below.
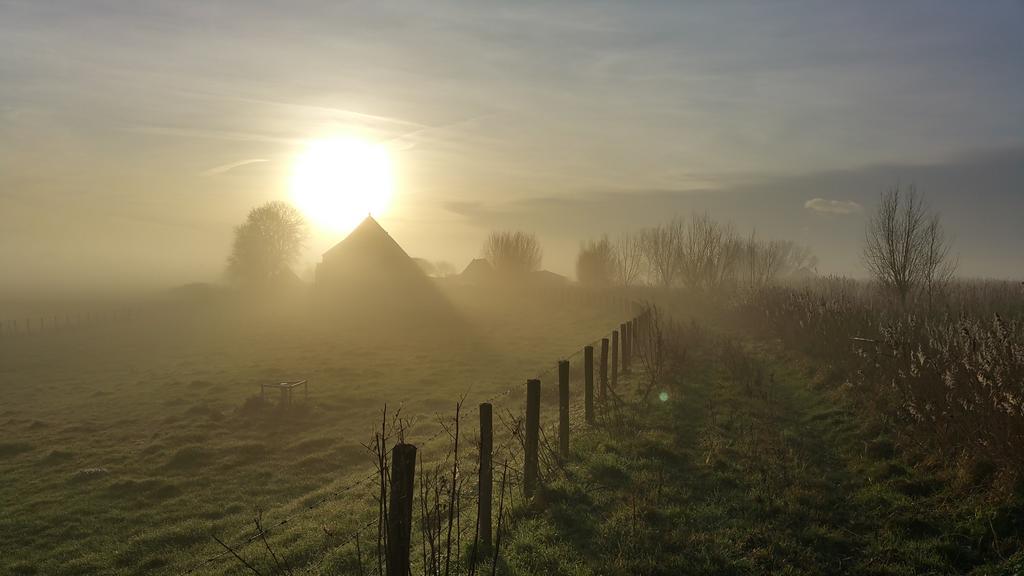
[548,278]
[478,271]
[368,269]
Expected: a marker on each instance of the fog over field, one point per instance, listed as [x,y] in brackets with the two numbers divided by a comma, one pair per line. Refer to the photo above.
[512,288]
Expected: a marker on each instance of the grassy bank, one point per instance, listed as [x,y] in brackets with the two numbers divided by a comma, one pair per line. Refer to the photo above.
[765,470]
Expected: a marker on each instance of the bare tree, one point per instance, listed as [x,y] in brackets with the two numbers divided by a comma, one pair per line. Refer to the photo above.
[661,251]
[801,260]
[905,245]
[595,264]
[267,244]
[938,266]
[628,259]
[764,261]
[708,253]
[513,253]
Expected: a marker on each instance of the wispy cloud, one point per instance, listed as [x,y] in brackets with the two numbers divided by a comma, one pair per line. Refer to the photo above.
[216,170]
[841,207]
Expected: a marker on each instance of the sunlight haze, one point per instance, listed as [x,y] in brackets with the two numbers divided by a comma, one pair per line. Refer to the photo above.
[167,122]
[518,288]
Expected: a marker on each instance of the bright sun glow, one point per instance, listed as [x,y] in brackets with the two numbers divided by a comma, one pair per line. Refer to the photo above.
[336,182]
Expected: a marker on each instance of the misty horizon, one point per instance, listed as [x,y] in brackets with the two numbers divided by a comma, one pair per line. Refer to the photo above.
[454,288]
[129,160]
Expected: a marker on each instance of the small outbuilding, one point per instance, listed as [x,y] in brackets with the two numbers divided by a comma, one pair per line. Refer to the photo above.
[478,271]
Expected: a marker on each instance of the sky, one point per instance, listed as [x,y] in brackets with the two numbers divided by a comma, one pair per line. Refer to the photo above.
[135,135]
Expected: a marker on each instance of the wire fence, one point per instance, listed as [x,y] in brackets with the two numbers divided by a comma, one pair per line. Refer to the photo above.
[510,453]
[39,324]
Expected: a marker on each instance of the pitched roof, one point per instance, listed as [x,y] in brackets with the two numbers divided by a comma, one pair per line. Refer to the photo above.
[478,266]
[368,235]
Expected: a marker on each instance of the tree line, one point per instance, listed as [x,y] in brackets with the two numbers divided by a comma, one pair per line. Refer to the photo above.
[696,253]
[906,251]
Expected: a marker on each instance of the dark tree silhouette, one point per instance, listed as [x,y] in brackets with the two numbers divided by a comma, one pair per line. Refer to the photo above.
[595,264]
[906,247]
[513,253]
[628,257]
[267,244]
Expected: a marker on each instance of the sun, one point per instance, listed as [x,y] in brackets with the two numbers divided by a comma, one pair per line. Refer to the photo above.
[336,182]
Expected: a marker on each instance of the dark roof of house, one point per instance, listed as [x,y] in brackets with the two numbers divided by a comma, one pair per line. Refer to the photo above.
[369,235]
[478,266]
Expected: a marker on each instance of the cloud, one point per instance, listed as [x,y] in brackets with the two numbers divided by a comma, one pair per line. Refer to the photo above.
[842,207]
[217,170]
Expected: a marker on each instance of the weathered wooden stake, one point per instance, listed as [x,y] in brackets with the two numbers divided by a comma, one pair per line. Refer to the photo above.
[532,437]
[604,369]
[624,348]
[403,472]
[486,474]
[615,358]
[588,383]
[631,331]
[563,409]
[627,362]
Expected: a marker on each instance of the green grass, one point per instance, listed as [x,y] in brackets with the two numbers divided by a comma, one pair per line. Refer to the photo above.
[124,448]
[783,478]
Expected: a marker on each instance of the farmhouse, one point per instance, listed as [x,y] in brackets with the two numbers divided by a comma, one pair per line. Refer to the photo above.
[369,269]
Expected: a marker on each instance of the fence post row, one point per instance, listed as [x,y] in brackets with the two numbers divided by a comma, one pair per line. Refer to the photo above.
[403,471]
[563,409]
[604,369]
[615,358]
[532,437]
[486,473]
[588,383]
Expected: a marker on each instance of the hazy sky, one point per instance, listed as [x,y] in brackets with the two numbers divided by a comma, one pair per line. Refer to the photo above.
[134,135]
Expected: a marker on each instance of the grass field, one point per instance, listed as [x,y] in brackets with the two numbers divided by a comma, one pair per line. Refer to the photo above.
[125,447]
[776,475]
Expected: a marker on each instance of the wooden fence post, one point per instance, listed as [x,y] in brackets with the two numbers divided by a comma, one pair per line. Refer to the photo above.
[403,471]
[615,358]
[588,383]
[634,337]
[624,345]
[532,437]
[486,474]
[563,409]
[632,340]
[604,369]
